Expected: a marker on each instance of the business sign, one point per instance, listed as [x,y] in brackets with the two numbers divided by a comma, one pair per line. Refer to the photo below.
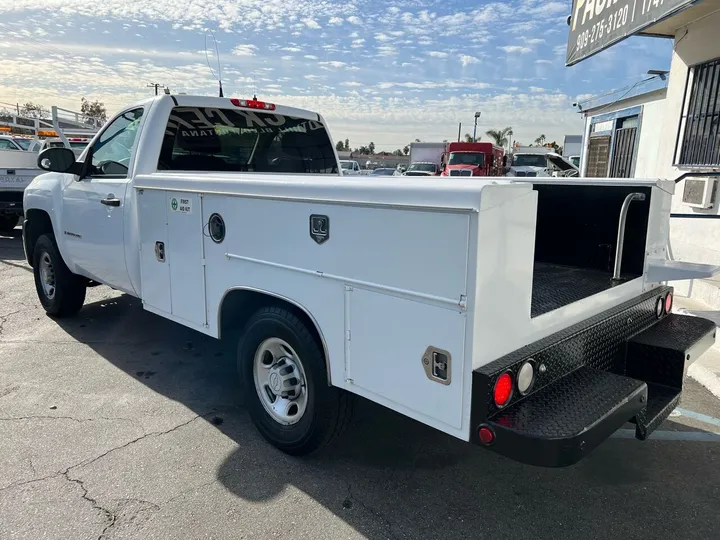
[595,25]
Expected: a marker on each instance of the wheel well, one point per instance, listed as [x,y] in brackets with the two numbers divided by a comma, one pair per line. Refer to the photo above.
[239,305]
[38,223]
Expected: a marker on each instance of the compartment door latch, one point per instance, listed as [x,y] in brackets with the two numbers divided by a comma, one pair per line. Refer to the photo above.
[437,365]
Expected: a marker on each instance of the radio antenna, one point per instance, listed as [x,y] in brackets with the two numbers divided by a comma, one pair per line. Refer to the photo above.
[217,55]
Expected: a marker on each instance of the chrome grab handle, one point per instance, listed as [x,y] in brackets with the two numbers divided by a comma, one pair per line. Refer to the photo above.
[621,230]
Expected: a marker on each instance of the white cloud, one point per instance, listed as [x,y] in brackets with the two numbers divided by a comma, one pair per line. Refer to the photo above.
[386,50]
[357,43]
[383,37]
[351,83]
[333,63]
[311,57]
[536,89]
[311,23]
[534,41]
[291,49]
[336,20]
[244,50]
[353,19]
[466,59]
[515,49]
[437,54]
[543,61]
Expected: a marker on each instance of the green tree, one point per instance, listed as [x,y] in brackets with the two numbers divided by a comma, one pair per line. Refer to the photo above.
[93,111]
[540,140]
[371,147]
[417,140]
[501,137]
[339,146]
[347,144]
[468,138]
[406,149]
[34,110]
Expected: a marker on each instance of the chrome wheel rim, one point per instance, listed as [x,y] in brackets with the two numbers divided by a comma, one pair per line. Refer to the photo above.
[47,276]
[280,381]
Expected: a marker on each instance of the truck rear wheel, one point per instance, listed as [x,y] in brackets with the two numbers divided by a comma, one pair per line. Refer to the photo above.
[283,372]
[61,292]
[8,222]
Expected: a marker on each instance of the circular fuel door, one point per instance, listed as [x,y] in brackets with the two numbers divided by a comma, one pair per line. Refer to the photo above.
[216,228]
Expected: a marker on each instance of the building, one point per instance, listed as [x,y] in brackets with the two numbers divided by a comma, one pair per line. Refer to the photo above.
[671,127]
[623,129]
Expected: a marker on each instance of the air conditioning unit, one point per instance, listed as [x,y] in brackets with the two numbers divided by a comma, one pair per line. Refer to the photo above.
[700,192]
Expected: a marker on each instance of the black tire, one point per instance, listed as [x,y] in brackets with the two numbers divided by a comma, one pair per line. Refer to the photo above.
[69,293]
[328,410]
[8,223]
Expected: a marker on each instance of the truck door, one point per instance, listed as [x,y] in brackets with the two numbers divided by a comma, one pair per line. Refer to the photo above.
[94,207]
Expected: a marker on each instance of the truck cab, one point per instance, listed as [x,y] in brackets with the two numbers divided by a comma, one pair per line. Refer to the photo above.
[473,159]
[349,167]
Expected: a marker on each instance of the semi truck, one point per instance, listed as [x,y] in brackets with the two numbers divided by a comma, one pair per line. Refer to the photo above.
[527,316]
[473,159]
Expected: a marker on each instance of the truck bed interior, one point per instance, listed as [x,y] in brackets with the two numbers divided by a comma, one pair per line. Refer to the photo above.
[575,242]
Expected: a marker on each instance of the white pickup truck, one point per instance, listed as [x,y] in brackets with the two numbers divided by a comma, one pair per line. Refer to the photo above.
[17,169]
[525,316]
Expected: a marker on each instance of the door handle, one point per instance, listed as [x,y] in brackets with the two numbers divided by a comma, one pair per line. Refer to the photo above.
[110,201]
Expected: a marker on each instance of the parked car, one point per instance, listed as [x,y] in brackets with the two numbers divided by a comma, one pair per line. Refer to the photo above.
[385,172]
[349,167]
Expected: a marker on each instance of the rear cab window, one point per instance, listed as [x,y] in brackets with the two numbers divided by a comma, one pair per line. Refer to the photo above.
[230,140]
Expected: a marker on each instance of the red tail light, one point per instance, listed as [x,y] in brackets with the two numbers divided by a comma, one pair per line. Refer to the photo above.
[503,390]
[253,104]
[486,435]
[668,303]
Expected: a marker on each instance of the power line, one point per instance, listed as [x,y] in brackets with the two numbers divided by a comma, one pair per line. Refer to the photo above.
[154,85]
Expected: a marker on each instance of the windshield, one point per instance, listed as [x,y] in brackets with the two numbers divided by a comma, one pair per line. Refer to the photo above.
[529,160]
[23,143]
[575,160]
[346,164]
[210,139]
[78,145]
[423,167]
[466,158]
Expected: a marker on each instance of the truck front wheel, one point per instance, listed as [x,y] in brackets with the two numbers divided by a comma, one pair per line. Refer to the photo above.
[283,372]
[61,292]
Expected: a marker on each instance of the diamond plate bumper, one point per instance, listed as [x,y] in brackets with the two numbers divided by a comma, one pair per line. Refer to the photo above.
[622,365]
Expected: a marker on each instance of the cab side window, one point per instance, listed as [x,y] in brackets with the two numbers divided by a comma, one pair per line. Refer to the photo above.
[112,151]
[7,145]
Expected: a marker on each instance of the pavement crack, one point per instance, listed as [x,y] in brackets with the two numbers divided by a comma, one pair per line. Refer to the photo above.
[4,318]
[129,443]
[374,512]
[109,515]
[71,418]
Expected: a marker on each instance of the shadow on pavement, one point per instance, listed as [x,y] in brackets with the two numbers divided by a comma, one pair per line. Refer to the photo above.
[391,477]
[11,248]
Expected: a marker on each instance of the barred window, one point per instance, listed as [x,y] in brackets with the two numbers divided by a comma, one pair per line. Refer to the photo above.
[700,122]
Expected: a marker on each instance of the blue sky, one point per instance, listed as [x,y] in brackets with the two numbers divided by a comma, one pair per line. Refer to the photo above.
[387,72]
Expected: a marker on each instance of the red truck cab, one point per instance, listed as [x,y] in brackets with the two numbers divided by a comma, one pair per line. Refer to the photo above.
[473,159]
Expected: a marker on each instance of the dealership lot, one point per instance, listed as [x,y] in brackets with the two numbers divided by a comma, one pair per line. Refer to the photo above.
[120,424]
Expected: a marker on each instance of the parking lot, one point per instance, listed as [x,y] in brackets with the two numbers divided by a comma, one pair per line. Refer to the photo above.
[119,424]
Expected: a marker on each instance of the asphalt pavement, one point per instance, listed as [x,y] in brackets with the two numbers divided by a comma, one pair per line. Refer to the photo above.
[118,424]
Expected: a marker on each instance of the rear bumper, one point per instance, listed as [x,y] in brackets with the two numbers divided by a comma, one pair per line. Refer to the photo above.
[11,202]
[590,379]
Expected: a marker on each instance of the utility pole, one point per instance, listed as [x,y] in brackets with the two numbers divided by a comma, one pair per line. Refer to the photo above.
[459,130]
[477,115]
[155,86]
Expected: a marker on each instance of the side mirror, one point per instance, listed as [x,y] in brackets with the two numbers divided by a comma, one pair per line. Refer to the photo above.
[60,160]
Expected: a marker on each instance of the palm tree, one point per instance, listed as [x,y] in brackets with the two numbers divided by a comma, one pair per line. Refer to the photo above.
[500,136]
[468,138]
[540,140]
